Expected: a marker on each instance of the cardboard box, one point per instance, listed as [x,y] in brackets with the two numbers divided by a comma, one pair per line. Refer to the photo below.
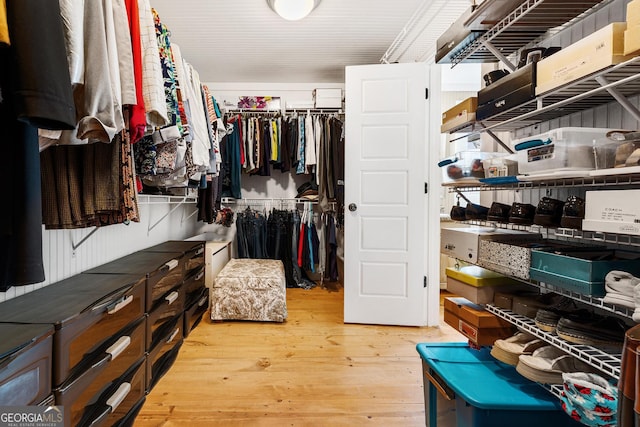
[633,13]
[327,98]
[459,122]
[478,284]
[593,53]
[469,105]
[474,322]
[464,242]
[632,40]
[613,211]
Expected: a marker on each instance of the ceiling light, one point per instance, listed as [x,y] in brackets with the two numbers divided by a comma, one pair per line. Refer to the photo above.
[292,10]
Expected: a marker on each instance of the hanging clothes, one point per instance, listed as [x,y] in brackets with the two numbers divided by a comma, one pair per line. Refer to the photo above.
[36,93]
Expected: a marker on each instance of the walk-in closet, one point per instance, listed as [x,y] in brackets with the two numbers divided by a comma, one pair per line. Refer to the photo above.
[320,213]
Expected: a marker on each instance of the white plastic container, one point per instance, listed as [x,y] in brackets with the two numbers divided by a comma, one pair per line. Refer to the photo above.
[500,166]
[562,149]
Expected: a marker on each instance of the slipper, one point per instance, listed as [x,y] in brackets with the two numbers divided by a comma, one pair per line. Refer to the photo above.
[547,364]
[509,350]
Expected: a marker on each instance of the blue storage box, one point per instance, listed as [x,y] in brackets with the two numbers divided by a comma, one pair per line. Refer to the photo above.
[581,271]
[483,391]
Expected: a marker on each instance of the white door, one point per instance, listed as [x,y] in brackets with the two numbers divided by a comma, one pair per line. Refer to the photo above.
[386,111]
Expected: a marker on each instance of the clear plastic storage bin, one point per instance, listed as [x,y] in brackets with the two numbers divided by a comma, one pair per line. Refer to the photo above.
[564,149]
[464,166]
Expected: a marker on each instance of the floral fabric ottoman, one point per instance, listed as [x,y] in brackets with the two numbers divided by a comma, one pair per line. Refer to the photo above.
[250,289]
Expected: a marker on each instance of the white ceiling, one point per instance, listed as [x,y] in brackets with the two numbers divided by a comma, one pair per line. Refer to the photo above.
[245,41]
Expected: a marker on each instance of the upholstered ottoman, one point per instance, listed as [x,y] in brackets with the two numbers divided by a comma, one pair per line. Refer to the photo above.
[250,289]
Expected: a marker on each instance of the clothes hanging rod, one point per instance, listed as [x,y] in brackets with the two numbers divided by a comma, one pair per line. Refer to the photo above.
[230,200]
[288,110]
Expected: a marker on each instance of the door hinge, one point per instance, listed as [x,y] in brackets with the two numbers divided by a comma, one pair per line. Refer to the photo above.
[425,281]
[426,93]
[426,187]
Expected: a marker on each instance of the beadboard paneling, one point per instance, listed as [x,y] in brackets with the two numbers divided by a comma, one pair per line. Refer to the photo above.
[109,243]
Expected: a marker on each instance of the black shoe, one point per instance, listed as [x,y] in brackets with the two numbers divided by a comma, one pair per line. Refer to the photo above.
[548,212]
[522,213]
[498,212]
[592,329]
[573,213]
[547,318]
[474,211]
[458,213]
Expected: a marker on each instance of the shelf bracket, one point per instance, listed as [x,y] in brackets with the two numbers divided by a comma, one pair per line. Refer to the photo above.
[496,52]
[190,215]
[75,246]
[151,227]
[496,139]
[622,100]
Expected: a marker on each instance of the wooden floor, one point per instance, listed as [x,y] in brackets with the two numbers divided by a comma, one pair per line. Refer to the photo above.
[312,370]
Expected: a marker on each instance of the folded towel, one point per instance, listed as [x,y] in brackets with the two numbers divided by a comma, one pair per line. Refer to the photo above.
[619,299]
[620,282]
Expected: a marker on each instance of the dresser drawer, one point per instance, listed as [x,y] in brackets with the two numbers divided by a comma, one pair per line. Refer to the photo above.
[163,271]
[193,285]
[162,356]
[192,253]
[86,310]
[81,391]
[120,398]
[25,364]
[163,314]
[194,311]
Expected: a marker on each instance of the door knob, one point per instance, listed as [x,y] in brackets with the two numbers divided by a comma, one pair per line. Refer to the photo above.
[353,207]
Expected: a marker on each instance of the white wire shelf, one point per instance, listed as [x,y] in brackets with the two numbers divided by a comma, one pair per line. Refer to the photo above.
[597,302]
[608,363]
[153,199]
[529,21]
[619,180]
[580,95]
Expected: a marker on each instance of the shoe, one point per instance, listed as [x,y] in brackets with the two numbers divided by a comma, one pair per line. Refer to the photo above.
[572,213]
[547,317]
[522,213]
[528,306]
[548,212]
[498,212]
[510,349]
[547,364]
[592,329]
[458,213]
[474,211]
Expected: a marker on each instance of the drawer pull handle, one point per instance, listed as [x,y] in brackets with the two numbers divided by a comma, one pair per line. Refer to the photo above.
[119,346]
[200,275]
[173,335]
[172,297]
[439,387]
[200,251]
[116,398]
[172,264]
[202,301]
[119,305]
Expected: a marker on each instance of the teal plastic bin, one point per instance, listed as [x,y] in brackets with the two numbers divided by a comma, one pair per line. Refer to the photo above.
[465,387]
[581,271]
